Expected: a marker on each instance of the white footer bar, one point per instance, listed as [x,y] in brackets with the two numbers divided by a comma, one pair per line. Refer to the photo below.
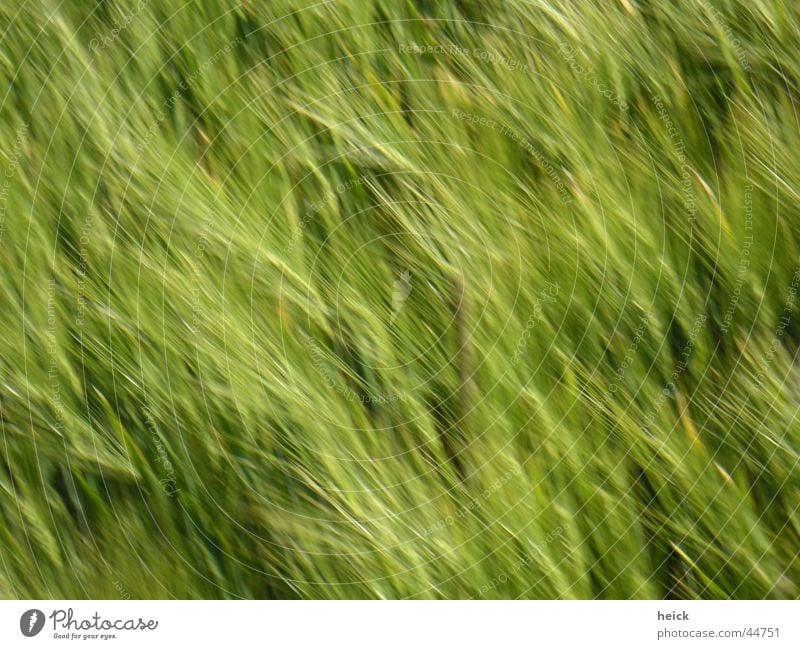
[406,625]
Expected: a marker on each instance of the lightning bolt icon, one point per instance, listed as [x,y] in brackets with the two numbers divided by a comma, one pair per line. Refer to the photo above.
[32,621]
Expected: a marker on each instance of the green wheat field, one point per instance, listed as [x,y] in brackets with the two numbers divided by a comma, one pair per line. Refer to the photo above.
[366,299]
